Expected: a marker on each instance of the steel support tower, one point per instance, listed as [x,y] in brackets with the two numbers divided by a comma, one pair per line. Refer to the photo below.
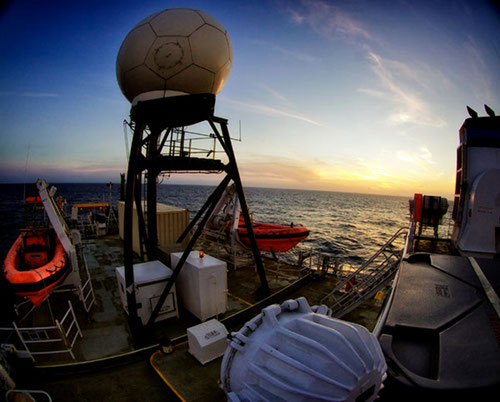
[154,122]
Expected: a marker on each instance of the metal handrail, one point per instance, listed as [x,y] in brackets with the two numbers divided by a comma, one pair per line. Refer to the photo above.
[180,143]
[87,286]
[27,393]
[23,335]
[373,276]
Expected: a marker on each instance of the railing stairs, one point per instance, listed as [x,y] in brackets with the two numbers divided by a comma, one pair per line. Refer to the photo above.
[363,283]
[45,340]
[85,288]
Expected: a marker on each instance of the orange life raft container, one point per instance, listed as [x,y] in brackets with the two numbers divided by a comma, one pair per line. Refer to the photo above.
[33,268]
[271,237]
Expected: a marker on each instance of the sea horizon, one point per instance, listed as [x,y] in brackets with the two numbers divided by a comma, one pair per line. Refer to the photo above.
[351,226]
[449,197]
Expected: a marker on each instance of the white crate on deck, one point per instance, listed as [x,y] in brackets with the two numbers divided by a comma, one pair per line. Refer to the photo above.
[207,341]
[202,284]
[150,278]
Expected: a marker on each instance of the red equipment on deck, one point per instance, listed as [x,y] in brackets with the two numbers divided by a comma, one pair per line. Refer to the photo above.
[35,263]
[271,237]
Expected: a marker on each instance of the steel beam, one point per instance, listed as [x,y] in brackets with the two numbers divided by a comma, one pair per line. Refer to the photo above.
[188,249]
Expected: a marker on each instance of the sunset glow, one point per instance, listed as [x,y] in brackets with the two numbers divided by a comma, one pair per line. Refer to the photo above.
[363,96]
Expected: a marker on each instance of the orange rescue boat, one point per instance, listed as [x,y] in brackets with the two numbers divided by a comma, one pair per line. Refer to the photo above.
[35,264]
[272,237]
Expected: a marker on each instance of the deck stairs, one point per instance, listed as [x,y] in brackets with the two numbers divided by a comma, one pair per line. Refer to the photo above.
[358,285]
[85,288]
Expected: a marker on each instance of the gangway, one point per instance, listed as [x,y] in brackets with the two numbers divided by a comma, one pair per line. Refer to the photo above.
[364,282]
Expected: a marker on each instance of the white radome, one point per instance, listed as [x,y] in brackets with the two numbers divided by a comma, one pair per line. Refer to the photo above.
[174,52]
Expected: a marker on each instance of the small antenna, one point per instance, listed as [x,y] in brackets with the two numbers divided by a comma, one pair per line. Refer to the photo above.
[26,172]
[240,130]
[472,112]
[110,186]
[489,111]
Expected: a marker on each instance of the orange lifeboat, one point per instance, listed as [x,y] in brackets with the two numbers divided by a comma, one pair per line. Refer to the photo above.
[32,267]
[271,237]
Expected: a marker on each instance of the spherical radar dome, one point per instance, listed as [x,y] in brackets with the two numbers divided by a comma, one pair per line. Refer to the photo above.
[173,52]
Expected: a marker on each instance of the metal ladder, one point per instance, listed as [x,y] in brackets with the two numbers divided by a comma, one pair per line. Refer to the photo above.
[367,280]
[85,288]
[49,340]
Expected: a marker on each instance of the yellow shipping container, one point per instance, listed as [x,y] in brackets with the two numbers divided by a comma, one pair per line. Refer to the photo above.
[171,222]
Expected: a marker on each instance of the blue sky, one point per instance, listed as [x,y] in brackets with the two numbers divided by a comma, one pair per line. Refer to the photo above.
[359,96]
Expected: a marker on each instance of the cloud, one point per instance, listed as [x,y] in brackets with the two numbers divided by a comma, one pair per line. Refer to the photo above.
[274,93]
[421,158]
[478,72]
[409,107]
[68,171]
[296,16]
[401,81]
[343,174]
[373,92]
[426,155]
[293,53]
[271,111]
[301,56]
[328,19]
[375,175]
[269,170]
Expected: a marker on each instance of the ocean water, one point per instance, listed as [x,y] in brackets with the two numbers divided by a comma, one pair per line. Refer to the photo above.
[348,226]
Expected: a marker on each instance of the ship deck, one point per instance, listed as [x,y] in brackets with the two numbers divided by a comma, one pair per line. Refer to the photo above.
[107,341]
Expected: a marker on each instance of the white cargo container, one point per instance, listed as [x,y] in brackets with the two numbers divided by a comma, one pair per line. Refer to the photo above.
[207,341]
[150,279]
[202,284]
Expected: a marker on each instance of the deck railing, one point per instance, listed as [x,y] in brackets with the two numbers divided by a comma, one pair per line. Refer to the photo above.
[86,290]
[47,340]
[180,142]
[26,395]
[364,282]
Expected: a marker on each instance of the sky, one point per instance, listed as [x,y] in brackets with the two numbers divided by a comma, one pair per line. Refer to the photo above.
[353,96]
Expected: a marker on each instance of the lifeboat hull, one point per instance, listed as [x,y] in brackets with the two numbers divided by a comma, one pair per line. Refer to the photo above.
[273,238]
[29,271]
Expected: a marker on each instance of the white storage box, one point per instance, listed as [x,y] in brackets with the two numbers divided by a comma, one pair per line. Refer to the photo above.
[202,284]
[207,341]
[150,278]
